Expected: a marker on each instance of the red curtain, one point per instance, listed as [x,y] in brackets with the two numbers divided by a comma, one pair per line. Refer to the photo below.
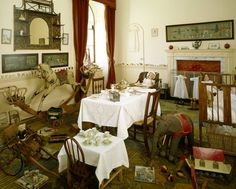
[80,20]
[110,43]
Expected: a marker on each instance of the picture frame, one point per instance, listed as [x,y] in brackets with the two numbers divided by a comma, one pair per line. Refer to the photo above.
[65,39]
[217,30]
[154,32]
[6,36]
[55,59]
[19,62]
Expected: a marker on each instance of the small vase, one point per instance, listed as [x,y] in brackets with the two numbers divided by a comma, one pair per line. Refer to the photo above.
[196,44]
[171,47]
[227,45]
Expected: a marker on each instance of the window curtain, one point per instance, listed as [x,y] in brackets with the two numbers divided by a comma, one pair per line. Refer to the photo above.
[80,21]
[110,43]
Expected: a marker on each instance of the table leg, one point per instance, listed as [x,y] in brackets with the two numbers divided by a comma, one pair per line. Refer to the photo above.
[115,172]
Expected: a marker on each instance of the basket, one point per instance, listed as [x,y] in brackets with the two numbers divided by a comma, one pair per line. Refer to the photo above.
[220,137]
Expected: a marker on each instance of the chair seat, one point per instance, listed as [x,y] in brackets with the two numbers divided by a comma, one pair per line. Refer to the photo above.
[141,122]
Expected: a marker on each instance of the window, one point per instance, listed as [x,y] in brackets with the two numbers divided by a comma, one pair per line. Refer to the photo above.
[90,49]
[96,42]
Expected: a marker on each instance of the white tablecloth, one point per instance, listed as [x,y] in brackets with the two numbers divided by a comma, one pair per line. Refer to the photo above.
[103,112]
[105,157]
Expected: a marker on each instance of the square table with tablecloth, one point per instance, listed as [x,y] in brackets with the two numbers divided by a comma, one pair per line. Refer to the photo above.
[105,156]
[100,110]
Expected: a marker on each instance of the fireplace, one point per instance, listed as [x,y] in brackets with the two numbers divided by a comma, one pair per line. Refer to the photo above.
[192,62]
[199,65]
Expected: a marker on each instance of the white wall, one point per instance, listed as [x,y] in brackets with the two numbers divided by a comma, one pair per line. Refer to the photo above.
[157,14]
[26,79]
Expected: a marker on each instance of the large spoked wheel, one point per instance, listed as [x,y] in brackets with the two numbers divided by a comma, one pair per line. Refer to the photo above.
[11,161]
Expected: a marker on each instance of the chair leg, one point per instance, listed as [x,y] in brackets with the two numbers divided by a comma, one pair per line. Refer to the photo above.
[134,133]
[147,145]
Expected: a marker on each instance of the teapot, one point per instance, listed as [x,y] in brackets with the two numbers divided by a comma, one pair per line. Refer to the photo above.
[196,44]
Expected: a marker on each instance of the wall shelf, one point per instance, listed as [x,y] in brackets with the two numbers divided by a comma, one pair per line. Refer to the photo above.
[26,37]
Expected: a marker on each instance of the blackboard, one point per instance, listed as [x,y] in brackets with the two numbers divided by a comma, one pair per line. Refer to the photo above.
[19,62]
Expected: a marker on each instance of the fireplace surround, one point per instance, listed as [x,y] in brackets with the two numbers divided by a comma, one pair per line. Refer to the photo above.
[195,61]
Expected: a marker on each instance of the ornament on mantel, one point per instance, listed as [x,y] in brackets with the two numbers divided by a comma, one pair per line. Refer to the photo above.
[227,45]
[171,47]
[197,44]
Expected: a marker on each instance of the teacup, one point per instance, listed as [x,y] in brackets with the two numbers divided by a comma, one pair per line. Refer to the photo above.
[98,140]
[106,141]
[82,133]
[88,141]
[107,134]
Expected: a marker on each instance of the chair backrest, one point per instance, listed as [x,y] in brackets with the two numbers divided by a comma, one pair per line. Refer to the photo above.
[151,108]
[143,75]
[75,155]
[98,85]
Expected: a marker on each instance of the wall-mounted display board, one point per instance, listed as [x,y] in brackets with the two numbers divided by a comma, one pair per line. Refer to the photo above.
[19,62]
[218,30]
[55,59]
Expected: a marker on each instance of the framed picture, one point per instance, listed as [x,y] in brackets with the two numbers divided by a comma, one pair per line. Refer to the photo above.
[19,62]
[55,59]
[65,39]
[218,30]
[6,36]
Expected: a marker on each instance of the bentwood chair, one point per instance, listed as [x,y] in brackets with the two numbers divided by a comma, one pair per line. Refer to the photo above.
[78,173]
[98,85]
[146,127]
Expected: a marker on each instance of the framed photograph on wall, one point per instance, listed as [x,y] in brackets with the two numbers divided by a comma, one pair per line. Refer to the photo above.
[6,36]
[19,62]
[65,39]
[217,30]
[55,59]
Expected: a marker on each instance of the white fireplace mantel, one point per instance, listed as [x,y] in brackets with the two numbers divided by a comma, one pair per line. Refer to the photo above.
[225,56]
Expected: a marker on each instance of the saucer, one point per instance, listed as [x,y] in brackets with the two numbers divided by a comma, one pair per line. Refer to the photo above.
[107,141]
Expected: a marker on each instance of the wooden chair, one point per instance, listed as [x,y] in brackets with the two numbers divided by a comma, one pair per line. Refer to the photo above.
[157,79]
[78,173]
[146,127]
[98,85]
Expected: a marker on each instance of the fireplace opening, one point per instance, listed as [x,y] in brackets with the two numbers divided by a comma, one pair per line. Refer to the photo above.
[199,65]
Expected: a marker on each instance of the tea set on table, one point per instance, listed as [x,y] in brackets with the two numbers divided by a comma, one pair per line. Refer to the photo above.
[94,137]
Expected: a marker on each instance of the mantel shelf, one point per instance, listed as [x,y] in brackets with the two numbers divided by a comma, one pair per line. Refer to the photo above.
[199,51]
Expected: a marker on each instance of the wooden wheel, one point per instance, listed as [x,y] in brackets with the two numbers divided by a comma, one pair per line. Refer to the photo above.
[11,161]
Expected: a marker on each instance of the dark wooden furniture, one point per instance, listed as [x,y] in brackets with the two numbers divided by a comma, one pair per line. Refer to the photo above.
[98,85]
[22,147]
[143,75]
[78,173]
[215,106]
[146,127]
[165,93]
